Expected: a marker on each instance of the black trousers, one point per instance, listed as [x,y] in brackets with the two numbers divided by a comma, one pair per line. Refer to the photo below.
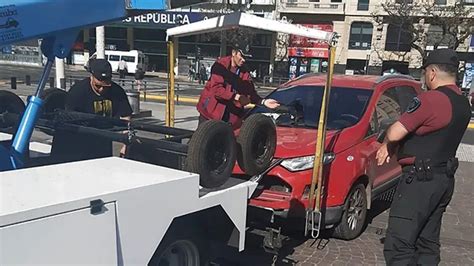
[415,219]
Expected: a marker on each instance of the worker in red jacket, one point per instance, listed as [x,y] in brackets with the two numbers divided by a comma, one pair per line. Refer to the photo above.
[229,89]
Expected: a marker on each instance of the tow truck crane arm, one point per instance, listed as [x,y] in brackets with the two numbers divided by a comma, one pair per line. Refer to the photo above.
[58,23]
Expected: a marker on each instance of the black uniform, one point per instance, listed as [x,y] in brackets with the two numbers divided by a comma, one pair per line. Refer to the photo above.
[436,121]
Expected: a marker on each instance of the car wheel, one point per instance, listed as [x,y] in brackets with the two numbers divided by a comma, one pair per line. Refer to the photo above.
[53,99]
[10,103]
[354,214]
[257,144]
[212,153]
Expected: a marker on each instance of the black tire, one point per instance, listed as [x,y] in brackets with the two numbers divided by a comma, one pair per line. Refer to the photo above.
[354,214]
[257,144]
[10,103]
[212,153]
[182,247]
[53,99]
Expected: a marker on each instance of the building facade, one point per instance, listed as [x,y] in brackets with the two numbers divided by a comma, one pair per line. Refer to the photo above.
[364,46]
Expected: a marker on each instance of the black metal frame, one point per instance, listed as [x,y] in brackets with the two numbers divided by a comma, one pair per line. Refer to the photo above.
[81,123]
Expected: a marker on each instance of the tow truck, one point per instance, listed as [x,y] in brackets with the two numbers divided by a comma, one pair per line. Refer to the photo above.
[112,210]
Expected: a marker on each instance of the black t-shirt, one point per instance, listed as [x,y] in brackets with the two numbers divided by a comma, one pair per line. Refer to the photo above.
[82,98]
[73,146]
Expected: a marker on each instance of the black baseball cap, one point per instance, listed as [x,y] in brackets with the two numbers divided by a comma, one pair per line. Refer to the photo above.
[243,48]
[101,69]
[441,57]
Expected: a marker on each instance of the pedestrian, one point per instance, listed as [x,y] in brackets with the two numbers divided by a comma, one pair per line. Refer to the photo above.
[139,76]
[427,135]
[202,74]
[123,70]
[99,95]
[229,89]
[191,73]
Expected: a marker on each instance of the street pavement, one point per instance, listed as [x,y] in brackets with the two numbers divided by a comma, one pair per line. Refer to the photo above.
[457,233]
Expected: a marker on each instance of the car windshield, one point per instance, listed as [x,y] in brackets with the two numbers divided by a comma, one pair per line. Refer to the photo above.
[346,106]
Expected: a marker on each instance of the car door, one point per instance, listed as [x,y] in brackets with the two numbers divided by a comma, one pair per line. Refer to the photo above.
[390,105]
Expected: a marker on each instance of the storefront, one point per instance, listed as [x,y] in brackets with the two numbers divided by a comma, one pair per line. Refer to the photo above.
[147,33]
[306,55]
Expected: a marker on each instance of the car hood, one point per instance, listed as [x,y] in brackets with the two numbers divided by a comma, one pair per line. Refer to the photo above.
[295,142]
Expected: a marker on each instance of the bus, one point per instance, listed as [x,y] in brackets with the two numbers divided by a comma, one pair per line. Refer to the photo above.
[135,59]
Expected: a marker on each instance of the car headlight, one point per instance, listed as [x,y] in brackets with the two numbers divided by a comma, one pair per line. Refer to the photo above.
[305,162]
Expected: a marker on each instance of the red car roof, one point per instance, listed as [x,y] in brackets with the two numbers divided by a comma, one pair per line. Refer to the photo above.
[351,81]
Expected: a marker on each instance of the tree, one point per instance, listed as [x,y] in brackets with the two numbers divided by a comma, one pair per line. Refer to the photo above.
[421,23]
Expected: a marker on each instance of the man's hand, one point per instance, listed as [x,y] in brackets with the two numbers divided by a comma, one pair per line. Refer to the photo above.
[382,154]
[271,103]
[242,99]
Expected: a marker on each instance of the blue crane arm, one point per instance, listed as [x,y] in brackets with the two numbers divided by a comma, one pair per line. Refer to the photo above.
[58,23]
[27,19]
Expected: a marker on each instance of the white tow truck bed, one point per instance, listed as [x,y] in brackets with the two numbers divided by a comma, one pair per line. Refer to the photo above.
[46,215]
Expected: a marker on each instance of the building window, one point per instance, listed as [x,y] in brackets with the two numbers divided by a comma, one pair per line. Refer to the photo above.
[441,2]
[404,1]
[356,66]
[398,39]
[436,39]
[363,5]
[361,36]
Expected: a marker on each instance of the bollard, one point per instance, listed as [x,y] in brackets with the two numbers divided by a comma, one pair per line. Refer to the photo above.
[51,82]
[134,100]
[28,80]
[62,82]
[13,83]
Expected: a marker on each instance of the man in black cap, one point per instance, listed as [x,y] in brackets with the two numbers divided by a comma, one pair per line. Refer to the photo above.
[230,88]
[427,135]
[99,95]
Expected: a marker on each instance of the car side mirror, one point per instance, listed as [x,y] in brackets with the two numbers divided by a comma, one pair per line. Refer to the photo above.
[384,125]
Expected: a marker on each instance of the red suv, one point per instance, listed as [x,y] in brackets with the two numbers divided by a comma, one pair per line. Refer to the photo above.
[359,107]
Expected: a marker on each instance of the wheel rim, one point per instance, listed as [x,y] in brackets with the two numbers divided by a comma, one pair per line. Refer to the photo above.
[355,210]
[180,253]
[218,155]
[260,147]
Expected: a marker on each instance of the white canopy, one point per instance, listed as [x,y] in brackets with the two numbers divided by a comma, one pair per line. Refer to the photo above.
[239,19]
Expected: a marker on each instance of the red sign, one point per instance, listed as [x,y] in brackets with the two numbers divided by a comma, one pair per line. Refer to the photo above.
[308,52]
[306,47]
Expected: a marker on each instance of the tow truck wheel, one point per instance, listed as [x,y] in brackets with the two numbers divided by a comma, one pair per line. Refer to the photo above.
[181,246]
[180,252]
[354,214]
[10,103]
[211,153]
[53,99]
[257,141]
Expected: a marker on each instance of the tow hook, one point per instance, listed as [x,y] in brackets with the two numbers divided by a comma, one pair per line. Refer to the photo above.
[273,240]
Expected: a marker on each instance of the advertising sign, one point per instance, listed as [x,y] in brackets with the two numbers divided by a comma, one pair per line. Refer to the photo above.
[165,20]
[307,47]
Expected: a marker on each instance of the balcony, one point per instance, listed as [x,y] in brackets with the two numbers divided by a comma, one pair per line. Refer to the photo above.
[313,7]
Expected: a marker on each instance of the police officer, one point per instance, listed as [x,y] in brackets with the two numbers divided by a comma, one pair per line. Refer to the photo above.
[427,135]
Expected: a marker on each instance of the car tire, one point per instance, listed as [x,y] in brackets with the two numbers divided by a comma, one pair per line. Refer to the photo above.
[257,144]
[53,99]
[11,103]
[354,214]
[212,153]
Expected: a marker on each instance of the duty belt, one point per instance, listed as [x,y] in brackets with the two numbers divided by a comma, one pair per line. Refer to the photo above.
[423,169]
